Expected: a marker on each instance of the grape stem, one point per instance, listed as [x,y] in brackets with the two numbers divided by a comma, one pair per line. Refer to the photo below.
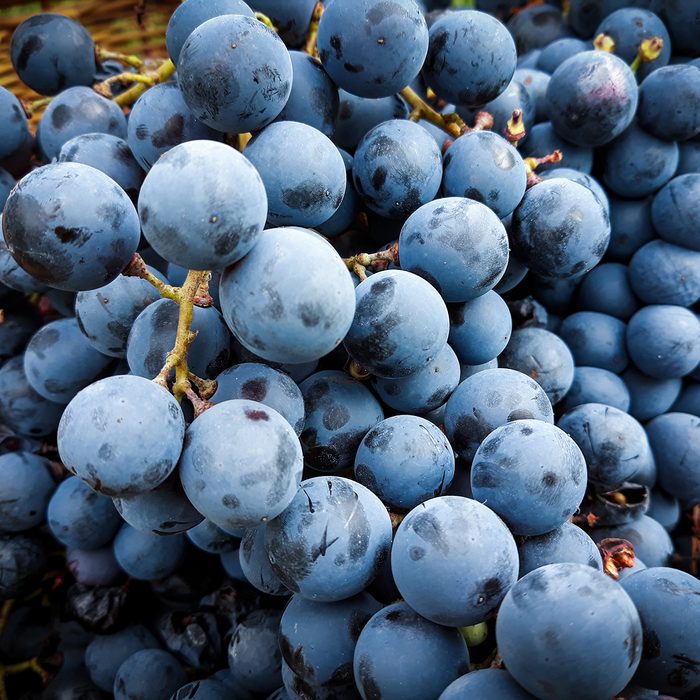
[31,108]
[148,80]
[177,358]
[420,109]
[617,554]
[649,50]
[377,261]
[126,59]
[11,669]
[310,46]
[266,21]
[137,268]
[531,164]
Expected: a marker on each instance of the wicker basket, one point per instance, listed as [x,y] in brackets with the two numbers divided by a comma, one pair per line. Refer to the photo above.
[126,26]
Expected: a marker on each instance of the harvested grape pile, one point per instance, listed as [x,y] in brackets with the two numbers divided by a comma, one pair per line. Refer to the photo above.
[353,351]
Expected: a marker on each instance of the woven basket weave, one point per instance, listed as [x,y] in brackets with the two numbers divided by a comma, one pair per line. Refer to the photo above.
[126,26]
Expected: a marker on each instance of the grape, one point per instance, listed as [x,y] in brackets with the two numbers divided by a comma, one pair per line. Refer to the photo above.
[318,639]
[664,273]
[255,564]
[14,129]
[614,444]
[544,357]
[331,540]
[59,361]
[62,234]
[675,211]
[469,72]
[405,460]
[105,315]
[666,600]
[688,157]
[153,335]
[291,17]
[21,408]
[556,52]
[235,74]
[631,227]
[22,562]
[26,486]
[566,544]
[79,518]
[397,168]
[382,59]
[592,98]
[596,340]
[542,139]
[51,52]
[596,385]
[650,397]
[150,674]
[637,163]
[190,14]
[231,563]
[202,205]
[346,214]
[492,683]
[689,400]
[673,439]
[458,245]
[536,27]
[658,93]
[15,331]
[212,539]
[400,325]
[467,371]
[159,120]
[453,539]
[296,688]
[358,115]
[480,329]
[207,689]
[535,84]
[583,179]
[122,435]
[339,411]
[424,390]
[484,167]
[93,567]
[276,309]
[560,229]
[106,653]
[7,182]
[258,382]
[550,664]
[314,97]
[515,96]
[305,186]
[606,289]
[146,556]
[107,153]
[254,655]
[77,111]
[163,511]
[664,341]
[489,399]
[531,474]
[397,676]
[650,540]
[241,464]
[665,509]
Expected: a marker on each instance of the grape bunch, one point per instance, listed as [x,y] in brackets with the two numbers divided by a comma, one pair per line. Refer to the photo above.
[353,351]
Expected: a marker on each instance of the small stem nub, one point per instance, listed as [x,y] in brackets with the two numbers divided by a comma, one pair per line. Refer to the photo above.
[126,59]
[649,50]
[617,554]
[310,46]
[266,21]
[515,128]
[137,268]
[604,42]
[531,164]
[420,109]
[377,261]
[357,371]
[160,75]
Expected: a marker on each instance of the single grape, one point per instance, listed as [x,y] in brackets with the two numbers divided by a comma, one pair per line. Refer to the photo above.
[64,236]
[14,128]
[93,567]
[650,397]
[212,539]
[331,541]
[536,27]
[241,464]
[22,563]
[146,556]
[535,83]
[596,340]
[235,73]
[549,663]
[122,435]
[291,17]
[450,539]
[675,211]
[51,52]
[396,676]
[26,485]
[492,683]
[458,245]
[305,186]
[596,385]
[607,289]
[255,564]
[150,674]
[280,312]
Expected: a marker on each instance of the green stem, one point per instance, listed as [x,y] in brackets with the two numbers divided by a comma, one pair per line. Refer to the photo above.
[126,59]
[137,268]
[420,109]
[310,45]
[163,72]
